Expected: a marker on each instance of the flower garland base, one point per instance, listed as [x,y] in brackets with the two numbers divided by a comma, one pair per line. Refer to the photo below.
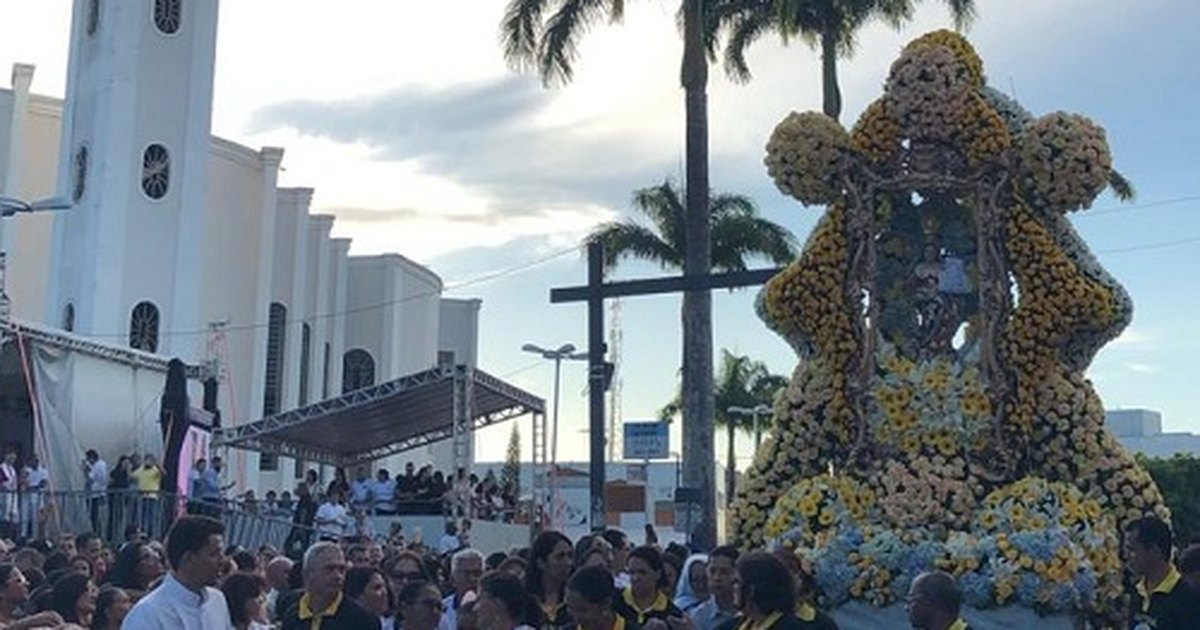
[859,616]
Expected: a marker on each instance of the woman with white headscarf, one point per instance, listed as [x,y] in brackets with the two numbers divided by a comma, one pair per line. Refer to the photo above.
[692,588]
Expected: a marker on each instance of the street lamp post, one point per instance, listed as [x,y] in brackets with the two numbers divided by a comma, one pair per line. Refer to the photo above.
[8,207]
[564,352]
[753,412]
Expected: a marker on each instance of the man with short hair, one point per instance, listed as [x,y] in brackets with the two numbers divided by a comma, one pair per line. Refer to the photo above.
[148,480]
[95,475]
[331,518]
[466,567]
[360,490]
[589,599]
[186,599]
[383,493]
[1165,601]
[37,483]
[721,605]
[934,602]
[620,546]
[322,606]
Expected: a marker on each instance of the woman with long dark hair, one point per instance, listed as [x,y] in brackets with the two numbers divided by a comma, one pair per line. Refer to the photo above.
[501,604]
[112,604]
[646,596]
[546,581]
[137,567]
[74,599]
[368,587]
[420,605]
[246,596]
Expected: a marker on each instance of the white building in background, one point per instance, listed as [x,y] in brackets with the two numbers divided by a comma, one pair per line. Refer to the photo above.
[1140,430]
[183,245]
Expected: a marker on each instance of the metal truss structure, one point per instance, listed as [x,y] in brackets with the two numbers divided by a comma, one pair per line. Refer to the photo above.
[108,352]
[374,422]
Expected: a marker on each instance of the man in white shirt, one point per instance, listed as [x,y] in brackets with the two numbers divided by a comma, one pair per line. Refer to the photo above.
[332,519]
[449,541]
[8,486]
[186,599]
[95,474]
[360,490]
[37,480]
[383,493]
[466,567]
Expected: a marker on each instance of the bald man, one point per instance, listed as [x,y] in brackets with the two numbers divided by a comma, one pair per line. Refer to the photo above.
[934,602]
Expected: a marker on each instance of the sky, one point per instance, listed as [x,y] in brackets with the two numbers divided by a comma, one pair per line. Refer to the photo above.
[415,133]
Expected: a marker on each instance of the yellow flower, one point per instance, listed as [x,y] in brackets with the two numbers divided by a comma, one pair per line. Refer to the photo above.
[826,519]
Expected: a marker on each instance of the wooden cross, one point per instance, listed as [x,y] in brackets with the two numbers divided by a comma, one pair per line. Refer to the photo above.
[594,293]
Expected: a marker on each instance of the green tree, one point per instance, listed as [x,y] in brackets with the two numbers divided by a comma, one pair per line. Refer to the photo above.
[740,382]
[738,233]
[544,34]
[510,474]
[1178,478]
[827,25]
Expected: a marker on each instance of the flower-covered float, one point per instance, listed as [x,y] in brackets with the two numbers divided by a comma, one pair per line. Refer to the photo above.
[944,311]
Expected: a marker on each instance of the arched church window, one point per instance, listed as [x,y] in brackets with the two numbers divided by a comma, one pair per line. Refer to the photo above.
[305,360]
[167,16]
[93,17]
[276,337]
[81,167]
[143,327]
[68,319]
[358,370]
[156,171]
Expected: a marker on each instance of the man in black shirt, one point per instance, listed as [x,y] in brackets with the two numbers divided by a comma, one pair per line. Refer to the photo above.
[302,521]
[322,605]
[1165,600]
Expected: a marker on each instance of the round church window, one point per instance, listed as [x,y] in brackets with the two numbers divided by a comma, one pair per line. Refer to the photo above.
[167,15]
[156,171]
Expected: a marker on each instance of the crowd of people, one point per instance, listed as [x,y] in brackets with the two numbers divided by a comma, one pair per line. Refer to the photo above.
[192,581]
[132,491]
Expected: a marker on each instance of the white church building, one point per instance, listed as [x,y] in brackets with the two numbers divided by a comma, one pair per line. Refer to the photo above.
[181,244]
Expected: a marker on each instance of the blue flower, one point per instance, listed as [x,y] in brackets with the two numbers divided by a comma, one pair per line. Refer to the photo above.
[977,589]
[1027,589]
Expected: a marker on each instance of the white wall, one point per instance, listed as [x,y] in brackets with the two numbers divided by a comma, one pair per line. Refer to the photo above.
[458,329]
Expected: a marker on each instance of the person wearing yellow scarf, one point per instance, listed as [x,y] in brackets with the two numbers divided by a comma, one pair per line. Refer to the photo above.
[591,600]
[645,598]
[934,602]
[767,593]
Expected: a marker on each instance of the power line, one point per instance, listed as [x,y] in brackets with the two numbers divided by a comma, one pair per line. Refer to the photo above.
[370,307]
[1137,206]
[1146,246]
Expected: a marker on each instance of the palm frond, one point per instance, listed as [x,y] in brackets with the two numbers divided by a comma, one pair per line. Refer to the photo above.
[738,237]
[745,29]
[963,13]
[663,205]
[559,46]
[1121,187]
[628,240]
[519,31]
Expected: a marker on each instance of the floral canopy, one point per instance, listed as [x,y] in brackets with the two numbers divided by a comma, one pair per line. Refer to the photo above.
[944,311]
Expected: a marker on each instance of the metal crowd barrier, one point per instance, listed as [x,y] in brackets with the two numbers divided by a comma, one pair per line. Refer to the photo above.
[48,515]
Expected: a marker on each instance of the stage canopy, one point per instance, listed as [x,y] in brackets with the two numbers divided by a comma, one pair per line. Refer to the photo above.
[375,422]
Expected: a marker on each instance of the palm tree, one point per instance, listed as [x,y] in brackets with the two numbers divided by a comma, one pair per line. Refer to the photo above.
[550,44]
[738,233]
[740,382]
[829,25]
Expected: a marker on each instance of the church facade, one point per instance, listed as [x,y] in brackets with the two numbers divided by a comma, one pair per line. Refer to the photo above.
[182,244]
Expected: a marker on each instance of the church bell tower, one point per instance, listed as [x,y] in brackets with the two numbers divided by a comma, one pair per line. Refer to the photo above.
[134,157]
